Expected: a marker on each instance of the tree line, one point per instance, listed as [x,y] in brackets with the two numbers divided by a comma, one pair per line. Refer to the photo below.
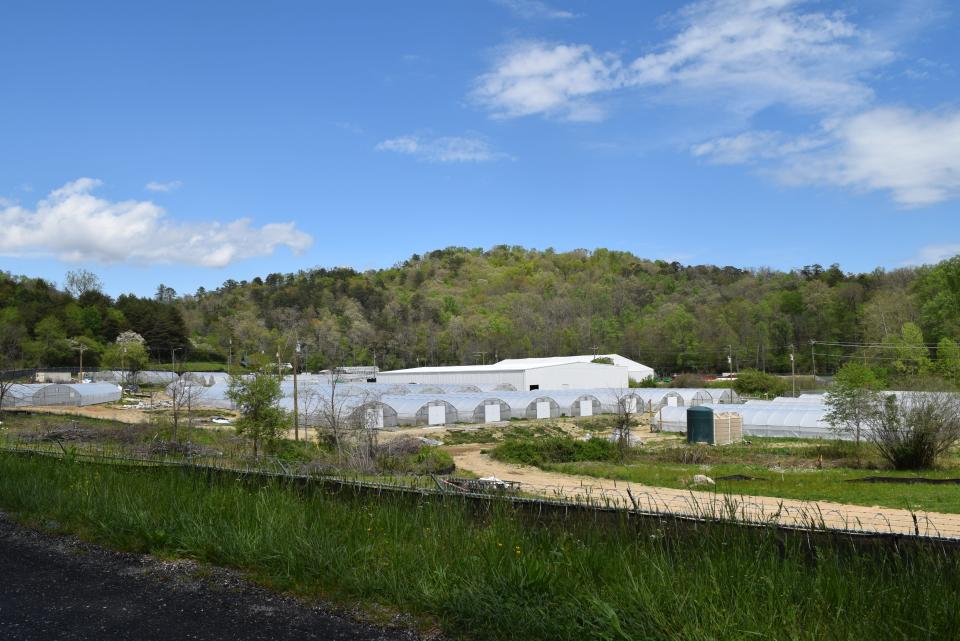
[460,306]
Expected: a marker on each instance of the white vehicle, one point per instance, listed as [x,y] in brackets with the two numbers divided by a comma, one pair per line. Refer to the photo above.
[220,420]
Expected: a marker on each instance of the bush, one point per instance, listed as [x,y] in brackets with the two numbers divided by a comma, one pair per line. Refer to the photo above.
[687,380]
[755,383]
[911,431]
[555,450]
[649,381]
[423,460]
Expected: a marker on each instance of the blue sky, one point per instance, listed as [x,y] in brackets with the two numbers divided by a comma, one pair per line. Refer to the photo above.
[188,143]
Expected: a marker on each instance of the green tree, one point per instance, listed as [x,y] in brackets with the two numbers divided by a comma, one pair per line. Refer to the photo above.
[948,359]
[129,357]
[851,400]
[912,355]
[258,396]
[751,382]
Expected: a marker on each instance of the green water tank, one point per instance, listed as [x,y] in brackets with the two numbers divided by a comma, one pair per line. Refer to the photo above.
[700,425]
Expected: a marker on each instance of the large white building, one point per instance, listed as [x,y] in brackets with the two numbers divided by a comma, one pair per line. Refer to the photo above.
[516,375]
[636,371]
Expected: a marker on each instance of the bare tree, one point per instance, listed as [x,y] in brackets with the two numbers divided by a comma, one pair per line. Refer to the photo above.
[81,281]
[10,336]
[625,410]
[185,395]
[348,417]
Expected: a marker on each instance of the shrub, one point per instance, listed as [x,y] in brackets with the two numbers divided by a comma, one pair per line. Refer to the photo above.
[555,450]
[649,381]
[687,380]
[911,431]
[755,383]
[603,360]
[422,459]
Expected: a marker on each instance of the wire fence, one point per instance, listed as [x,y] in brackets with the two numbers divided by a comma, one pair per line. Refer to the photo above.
[642,501]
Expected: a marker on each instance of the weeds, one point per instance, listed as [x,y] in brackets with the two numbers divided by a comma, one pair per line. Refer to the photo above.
[489,571]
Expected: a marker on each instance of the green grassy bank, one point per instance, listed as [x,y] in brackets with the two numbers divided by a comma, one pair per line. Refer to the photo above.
[785,468]
[492,572]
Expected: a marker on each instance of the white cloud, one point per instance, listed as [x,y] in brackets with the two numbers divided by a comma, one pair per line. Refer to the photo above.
[554,80]
[913,155]
[535,9]
[446,149]
[933,254]
[752,146]
[743,55]
[163,187]
[75,226]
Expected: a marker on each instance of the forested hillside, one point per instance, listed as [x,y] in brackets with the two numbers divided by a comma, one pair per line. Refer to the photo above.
[460,305]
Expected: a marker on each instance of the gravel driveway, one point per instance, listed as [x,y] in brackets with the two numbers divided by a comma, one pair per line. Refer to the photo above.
[59,589]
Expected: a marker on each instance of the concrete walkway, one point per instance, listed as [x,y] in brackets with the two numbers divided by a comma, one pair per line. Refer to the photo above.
[699,503]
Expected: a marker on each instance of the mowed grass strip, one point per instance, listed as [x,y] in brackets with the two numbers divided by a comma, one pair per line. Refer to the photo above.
[489,571]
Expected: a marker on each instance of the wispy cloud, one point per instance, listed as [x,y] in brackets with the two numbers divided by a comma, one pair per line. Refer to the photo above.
[75,226]
[914,155]
[163,187]
[444,149]
[933,254]
[742,55]
[553,80]
[535,9]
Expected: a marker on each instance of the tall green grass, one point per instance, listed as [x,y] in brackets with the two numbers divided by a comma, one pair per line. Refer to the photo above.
[490,571]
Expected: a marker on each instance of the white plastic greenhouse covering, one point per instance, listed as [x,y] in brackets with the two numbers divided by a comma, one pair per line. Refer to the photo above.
[723,395]
[575,402]
[18,395]
[76,395]
[768,420]
[693,396]
[654,398]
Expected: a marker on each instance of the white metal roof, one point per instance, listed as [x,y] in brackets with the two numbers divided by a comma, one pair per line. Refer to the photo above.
[622,361]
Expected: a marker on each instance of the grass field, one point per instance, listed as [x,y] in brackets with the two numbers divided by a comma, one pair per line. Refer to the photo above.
[489,572]
[786,468]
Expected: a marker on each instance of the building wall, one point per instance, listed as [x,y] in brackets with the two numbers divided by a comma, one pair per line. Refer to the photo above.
[577,376]
[472,377]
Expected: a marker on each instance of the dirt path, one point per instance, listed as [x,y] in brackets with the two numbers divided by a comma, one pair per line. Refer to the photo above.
[59,588]
[131,416]
[754,508]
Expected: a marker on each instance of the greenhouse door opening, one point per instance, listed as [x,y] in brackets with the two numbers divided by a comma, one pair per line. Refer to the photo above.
[437,414]
[586,408]
[671,401]
[374,418]
[491,413]
[631,404]
[543,409]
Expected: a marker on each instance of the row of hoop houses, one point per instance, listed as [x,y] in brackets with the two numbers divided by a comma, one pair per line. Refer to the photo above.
[388,406]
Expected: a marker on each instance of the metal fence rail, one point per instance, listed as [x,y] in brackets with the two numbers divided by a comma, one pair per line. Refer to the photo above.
[640,502]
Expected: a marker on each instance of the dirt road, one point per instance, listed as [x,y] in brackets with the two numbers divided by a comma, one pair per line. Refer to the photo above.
[56,588]
[754,508]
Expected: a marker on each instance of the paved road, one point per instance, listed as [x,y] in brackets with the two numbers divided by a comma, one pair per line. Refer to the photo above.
[749,508]
[58,589]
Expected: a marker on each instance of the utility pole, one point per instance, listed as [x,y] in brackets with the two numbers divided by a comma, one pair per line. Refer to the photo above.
[296,414]
[279,369]
[81,348]
[793,372]
[813,360]
[230,356]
